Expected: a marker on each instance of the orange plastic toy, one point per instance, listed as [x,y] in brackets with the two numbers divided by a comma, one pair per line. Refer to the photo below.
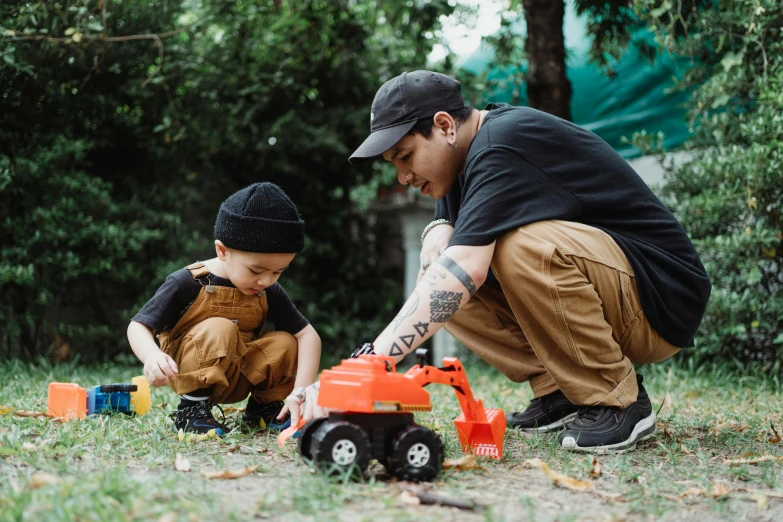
[371,417]
[67,400]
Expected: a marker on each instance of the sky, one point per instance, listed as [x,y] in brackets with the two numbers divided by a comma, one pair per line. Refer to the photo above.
[464,39]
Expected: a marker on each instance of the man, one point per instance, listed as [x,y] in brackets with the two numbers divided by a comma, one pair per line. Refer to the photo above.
[590,272]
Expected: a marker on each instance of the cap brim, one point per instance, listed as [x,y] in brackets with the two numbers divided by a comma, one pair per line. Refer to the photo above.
[379,142]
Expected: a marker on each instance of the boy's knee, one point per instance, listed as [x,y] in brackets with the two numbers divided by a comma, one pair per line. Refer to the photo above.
[210,340]
[286,349]
[217,326]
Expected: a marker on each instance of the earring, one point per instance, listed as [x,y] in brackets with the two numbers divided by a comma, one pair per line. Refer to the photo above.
[454,145]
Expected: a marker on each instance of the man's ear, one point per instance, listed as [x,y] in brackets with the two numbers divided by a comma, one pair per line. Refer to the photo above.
[444,123]
[221,250]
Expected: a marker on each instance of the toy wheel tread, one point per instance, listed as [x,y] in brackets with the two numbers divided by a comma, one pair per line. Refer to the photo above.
[306,437]
[416,454]
[339,447]
[120,387]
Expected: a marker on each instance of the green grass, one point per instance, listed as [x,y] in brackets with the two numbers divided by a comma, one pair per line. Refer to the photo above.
[121,468]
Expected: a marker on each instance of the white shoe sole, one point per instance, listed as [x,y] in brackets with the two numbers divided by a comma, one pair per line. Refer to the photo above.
[555,426]
[643,430]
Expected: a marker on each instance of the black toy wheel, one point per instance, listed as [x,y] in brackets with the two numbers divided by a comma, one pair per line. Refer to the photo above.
[306,437]
[120,387]
[340,447]
[416,454]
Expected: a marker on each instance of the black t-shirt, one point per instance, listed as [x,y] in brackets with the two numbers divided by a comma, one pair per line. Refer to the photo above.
[179,290]
[525,166]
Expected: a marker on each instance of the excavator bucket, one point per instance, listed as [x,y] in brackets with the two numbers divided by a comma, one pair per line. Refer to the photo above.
[483,435]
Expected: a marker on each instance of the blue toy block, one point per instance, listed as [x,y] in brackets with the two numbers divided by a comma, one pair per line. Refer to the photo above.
[109,397]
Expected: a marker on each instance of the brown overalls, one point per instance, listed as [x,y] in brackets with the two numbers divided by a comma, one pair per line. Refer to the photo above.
[215,343]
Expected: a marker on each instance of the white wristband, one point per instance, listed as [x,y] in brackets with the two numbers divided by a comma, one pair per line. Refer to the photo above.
[432,225]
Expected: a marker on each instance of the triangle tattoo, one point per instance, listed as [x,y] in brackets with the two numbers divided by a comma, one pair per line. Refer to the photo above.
[422,328]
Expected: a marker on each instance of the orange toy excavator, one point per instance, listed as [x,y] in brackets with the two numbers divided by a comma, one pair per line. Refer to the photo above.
[372,417]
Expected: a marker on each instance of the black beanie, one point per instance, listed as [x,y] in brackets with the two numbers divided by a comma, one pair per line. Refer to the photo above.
[262,219]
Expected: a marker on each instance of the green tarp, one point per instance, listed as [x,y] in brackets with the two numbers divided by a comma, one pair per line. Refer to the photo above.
[636,99]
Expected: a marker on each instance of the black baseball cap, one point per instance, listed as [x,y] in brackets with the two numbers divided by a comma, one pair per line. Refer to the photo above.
[400,103]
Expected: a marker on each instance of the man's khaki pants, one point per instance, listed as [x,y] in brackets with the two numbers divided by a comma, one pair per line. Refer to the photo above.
[570,318]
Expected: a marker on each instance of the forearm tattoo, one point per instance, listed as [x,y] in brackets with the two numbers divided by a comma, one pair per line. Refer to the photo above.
[458,272]
[407,311]
[433,276]
[443,305]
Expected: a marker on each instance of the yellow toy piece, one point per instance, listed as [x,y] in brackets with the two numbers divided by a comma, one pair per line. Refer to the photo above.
[140,399]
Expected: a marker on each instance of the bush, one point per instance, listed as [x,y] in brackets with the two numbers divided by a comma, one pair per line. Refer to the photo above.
[729,195]
[116,153]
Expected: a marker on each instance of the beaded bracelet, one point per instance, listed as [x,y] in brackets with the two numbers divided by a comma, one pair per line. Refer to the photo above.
[432,225]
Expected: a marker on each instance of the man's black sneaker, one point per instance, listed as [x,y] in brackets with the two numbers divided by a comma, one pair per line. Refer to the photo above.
[261,416]
[546,413]
[197,418]
[607,429]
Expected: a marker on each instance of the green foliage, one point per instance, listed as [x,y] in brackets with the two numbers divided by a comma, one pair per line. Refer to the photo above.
[729,194]
[117,147]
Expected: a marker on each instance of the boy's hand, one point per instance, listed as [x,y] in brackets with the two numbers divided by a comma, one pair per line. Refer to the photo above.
[159,368]
[294,404]
[310,406]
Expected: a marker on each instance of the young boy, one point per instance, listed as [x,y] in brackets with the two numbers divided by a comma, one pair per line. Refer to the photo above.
[208,318]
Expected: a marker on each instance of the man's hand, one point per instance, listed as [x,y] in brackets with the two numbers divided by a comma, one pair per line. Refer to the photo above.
[159,368]
[311,410]
[435,242]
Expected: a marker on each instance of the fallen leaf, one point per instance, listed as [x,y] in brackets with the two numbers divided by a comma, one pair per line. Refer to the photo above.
[465,462]
[26,413]
[181,463]
[762,501]
[558,479]
[40,479]
[692,492]
[719,490]
[171,516]
[211,434]
[230,474]
[756,460]
[596,471]
[4,410]
[729,426]
[409,498]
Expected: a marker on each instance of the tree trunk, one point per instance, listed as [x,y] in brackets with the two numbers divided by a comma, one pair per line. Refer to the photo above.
[548,88]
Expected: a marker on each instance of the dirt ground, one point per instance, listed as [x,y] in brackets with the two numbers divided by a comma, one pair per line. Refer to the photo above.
[637,486]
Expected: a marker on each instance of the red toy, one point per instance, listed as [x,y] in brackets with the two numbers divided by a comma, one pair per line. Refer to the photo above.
[371,417]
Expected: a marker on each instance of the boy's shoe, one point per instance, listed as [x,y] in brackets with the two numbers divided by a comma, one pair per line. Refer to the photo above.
[607,429]
[262,416]
[198,419]
[546,413]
